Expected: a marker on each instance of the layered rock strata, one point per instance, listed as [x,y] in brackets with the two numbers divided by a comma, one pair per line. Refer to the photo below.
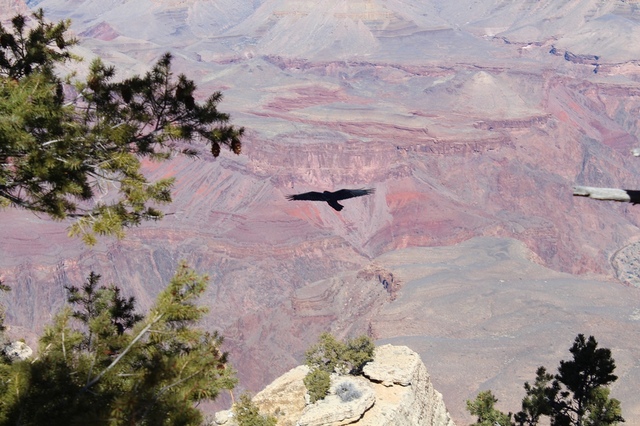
[395,390]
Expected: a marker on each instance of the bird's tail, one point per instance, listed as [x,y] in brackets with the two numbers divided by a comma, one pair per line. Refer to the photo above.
[335,205]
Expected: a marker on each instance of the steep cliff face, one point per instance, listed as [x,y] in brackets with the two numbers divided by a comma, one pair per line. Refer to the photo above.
[395,390]
[486,140]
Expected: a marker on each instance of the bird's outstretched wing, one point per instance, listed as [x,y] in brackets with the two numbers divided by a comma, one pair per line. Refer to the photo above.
[312,196]
[343,194]
[634,196]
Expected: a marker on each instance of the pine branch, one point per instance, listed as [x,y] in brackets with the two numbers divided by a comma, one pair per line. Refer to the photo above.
[122,354]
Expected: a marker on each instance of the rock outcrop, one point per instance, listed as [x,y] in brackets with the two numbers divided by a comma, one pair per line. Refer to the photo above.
[337,410]
[405,395]
[395,390]
[17,351]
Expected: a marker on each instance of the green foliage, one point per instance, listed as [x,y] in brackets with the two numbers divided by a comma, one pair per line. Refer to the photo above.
[318,383]
[602,410]
[103,364]
[247,414]
[576,396]
[60,145]
[359,351]
[103,309]
[331,355]
[34,48]
[483,408]
[326,355]
[536,403]
[583,400]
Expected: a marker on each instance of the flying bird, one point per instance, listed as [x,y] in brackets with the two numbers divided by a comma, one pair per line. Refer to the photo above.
[331,197]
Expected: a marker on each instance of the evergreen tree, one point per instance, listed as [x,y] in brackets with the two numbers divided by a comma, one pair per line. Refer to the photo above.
[318,383]
[577,396]
[602,410]
[483,408]
[584,398]
[95,302]
[35,48]
[247,413]
[152,373]
[538,399]
[330,355]
[61,144]
[358,352]
[327,354]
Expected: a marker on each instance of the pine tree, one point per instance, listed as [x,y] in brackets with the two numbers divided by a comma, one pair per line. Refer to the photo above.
[62,143]
[318,383]
[538,400]
[577,396]
[91,371]
[487,415]
[246,413]
[330,355]
[327,354]
[34,48]
[584,399]
[358,352]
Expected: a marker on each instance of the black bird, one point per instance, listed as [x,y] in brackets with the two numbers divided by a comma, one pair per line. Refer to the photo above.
[331,197]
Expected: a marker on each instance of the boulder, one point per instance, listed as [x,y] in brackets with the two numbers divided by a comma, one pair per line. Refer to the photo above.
[224,417]
[284,398]
[404,393]
[17,351]
[335,409]
[394,365]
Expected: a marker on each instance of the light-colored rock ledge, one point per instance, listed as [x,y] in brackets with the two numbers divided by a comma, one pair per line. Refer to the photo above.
[395,390]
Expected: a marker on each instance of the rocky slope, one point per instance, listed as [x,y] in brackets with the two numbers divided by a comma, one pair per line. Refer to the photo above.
[395,390]
[467,121]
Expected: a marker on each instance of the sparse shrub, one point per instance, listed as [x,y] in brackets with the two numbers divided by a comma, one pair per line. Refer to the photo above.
[484,408]
[326,355]
[317,383]
[359,351]
[331,355]
[247,413]
[348,392]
